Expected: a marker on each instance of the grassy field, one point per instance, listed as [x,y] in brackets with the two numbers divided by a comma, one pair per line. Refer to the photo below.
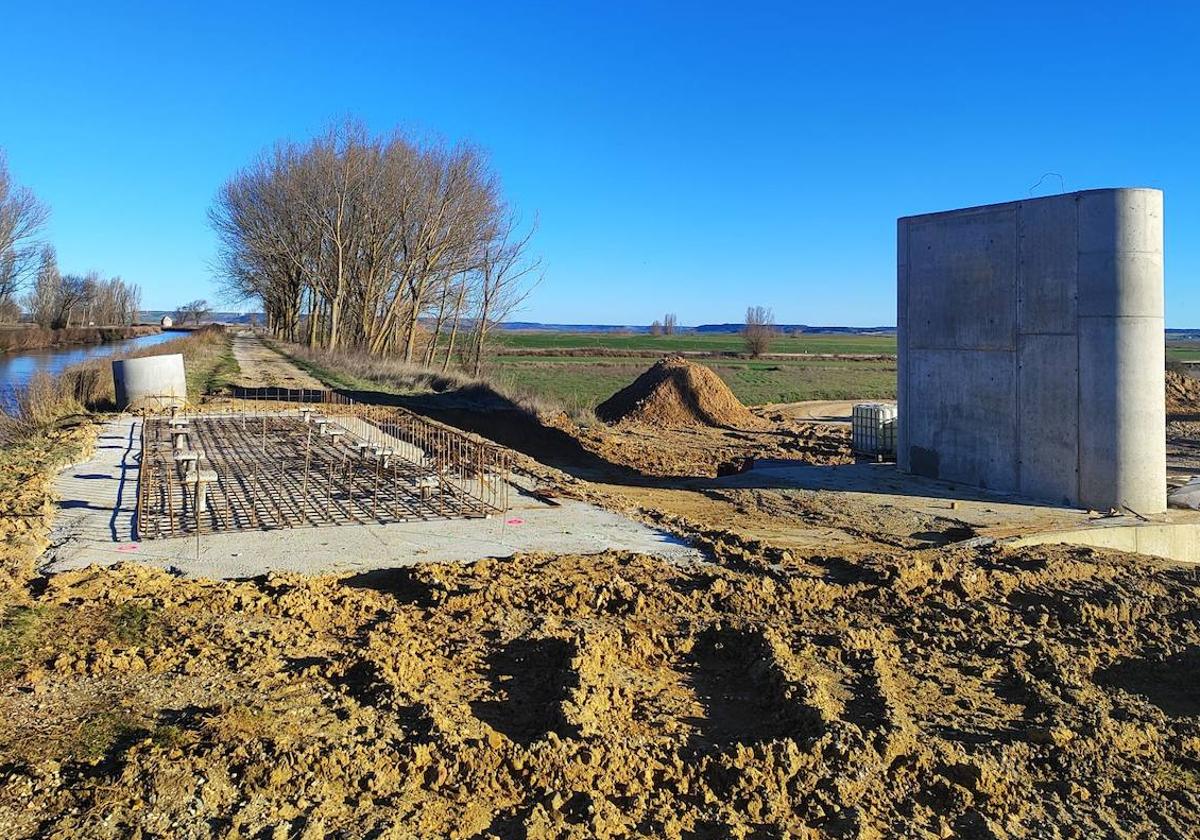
[1183,351]
[702,342]
[579,379]
[581,382]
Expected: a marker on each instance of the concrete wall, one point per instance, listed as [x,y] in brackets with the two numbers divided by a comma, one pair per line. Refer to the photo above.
[1031,348]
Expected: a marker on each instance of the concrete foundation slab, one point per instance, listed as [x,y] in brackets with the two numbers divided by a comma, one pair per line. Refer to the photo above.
[98,504]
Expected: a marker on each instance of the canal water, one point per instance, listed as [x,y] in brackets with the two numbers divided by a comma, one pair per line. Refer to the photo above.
[18,367]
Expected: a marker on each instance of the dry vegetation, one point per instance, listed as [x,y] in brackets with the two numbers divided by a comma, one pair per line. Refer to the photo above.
[48,400]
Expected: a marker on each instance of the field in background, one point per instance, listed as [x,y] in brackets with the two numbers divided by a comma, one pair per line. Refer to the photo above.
[699,342]
[580,370]
[583,382]
[1183,351]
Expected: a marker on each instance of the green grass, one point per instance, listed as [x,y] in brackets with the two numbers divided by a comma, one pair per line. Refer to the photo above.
[212,369]
[22,631]
[1183,351]
[584,382]
[33,634]
[703,342]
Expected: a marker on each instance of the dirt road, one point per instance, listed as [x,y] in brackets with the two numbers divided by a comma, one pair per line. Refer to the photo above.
[262,367]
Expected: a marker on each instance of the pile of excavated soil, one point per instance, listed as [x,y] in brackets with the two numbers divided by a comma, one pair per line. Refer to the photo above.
[953,692]
[1183,393]
[677,392]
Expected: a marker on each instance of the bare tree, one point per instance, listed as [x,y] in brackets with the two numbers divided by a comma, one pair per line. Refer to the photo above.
[669,324]
[194,311]
[42,300]
[656,328]
[759,331]
[384,244]
[506,277]
[22,217]
[70,308]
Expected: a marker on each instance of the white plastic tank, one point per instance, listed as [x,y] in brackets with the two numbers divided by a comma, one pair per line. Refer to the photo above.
[873,429]
[150,381]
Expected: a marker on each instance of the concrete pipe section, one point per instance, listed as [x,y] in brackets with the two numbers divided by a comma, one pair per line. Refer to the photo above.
[150,381]
[1031,348]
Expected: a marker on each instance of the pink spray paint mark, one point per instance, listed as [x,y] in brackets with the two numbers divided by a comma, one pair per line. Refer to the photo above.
[127,547]
[514,521]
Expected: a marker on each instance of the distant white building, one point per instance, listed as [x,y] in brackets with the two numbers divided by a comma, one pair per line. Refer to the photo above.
[166,321]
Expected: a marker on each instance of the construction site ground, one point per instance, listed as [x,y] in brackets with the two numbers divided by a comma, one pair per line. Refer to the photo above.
[841,663]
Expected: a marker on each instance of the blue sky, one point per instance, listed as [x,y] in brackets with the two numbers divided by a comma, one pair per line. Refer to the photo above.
[693,158]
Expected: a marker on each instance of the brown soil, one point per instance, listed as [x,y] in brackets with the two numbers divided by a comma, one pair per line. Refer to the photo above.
[949,692]
[698,451]
[676,392]
[1183,395]
[891,682]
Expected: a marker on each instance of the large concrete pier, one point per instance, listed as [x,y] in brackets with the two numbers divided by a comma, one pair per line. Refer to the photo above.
[1031,348]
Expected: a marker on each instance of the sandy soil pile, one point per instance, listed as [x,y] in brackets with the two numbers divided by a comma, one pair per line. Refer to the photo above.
[1183,393]
[931,693]
[676,392]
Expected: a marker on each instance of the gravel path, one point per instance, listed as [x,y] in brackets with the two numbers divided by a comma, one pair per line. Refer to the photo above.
[262,367]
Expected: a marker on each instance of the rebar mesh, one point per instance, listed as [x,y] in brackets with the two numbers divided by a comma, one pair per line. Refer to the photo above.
[324,461]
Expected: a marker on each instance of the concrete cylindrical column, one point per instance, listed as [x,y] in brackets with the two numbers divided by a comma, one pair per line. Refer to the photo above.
[155,380]
[1122,414]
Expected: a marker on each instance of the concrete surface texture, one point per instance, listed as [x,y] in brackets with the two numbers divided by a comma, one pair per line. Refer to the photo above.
[159,380]
[96,524]
[869,489]
[1031,348]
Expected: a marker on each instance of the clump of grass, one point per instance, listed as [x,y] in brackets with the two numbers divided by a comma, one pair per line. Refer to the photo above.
[23,632]
[134,625]
[36,634]
[241,723]
[102,733]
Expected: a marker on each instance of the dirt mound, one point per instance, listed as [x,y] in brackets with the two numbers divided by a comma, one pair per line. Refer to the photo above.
[1183,393]
[676,392]
[957,692]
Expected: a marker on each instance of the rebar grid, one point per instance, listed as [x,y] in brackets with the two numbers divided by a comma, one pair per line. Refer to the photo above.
[262,466]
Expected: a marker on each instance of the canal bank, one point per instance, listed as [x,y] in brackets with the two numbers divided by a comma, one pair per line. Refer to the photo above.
[21,337]
[18,367]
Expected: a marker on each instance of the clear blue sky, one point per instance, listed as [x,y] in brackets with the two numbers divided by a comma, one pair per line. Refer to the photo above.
[692,157]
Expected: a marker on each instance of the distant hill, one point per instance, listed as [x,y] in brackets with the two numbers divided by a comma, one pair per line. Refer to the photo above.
[153,316]
[534,326]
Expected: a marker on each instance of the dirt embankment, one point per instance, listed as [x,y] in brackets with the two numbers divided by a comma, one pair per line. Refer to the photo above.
[1183,395]
[938,693]
[680,419]
[34,338]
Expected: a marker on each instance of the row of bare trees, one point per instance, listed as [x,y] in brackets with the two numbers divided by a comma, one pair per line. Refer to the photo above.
[56,300]
[29,271]
[385,245]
